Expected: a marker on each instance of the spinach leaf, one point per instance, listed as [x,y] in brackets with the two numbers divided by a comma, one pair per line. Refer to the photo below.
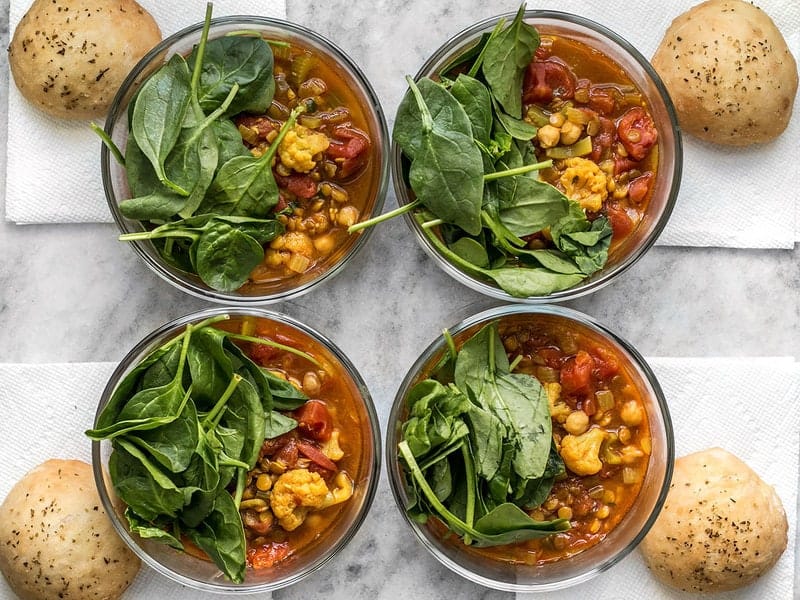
[505,59]
[161,104]
[518,129]
[226,256]
[229,140]
[146,530]
[221,536]
[525,282]
[142,178]
[482,352]
[139,483]
[278,424]
[244,184]
[243,60]
[160,205]
[487,433]
[474,97]
[172,445]
[471,250]
[209,365]
[447,177]
[532,206]
[508,524]
[437,109]
[201,483]
[583,241]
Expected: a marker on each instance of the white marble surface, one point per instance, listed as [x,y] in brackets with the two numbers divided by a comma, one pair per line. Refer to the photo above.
[73,293]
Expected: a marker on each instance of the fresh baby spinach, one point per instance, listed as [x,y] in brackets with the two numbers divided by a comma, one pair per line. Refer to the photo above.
[478,449]
[185,424]
[185,157]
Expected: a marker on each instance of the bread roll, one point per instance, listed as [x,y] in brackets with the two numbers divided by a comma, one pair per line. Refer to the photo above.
[56,541]
[69,57]
[729,72]
[721,527]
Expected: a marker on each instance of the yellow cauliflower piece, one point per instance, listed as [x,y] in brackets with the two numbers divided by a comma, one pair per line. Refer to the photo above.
[294,493]
[581,453]
[299,146]
[584,182]
[559,411]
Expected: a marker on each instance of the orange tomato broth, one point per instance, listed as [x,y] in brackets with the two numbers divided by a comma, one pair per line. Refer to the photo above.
[536,338]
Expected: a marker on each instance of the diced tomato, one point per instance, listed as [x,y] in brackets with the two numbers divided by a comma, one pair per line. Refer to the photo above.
[576,374]
[547,79]
[300,184]
[602,100]
[268,555]
[314,420]
[551,355]
[621,223]
[623,163]
[601,143]
[350,147]
[262,354]
[316,455]
[606,364]
[639,188]
[289,454]
[262,125]
[637,132]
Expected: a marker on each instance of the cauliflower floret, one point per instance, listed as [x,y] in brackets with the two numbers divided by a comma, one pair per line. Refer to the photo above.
[294,493]
[559,411]
[342,492]
[331,447]
[581,453]
[299,146]
[584,182]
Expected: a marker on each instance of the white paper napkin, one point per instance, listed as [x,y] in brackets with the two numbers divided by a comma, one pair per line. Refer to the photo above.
[46,408]
[748,406]
[53,169]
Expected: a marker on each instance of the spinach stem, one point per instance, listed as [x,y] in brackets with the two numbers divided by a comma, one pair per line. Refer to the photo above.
[384,217]
[452,520]
[273,147]
[451,344]
[213,416]
[427,119]
[112,147]
[432,223]
[155,234]
[443,454]
[240,484]
[201,50]
[545,164]
[469,510]
[266,342]
[514,363]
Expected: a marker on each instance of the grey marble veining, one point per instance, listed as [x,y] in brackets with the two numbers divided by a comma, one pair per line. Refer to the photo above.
[73,293]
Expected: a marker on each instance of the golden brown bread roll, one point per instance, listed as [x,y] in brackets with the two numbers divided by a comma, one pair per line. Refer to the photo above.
[69,57]
[729,72]
[56,541]
[721,527]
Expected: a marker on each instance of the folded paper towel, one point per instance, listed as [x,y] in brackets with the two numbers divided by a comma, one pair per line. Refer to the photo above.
[742,198]
[747,406]
[53,167]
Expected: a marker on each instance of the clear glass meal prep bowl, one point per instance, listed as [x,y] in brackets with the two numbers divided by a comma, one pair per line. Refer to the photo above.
[116,186]
[620,541]
[204,575]
[660,105]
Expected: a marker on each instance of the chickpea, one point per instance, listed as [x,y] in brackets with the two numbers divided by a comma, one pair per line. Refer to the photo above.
[557,119]
[311,383]
[631,413]
[577,422]
[548,136]
[347,216]
[570,133]
[324,244]
[565,512]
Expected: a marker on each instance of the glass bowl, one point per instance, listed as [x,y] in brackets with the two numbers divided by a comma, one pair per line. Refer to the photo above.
[669,162]
[554,573]
[370,185]
[360,439]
